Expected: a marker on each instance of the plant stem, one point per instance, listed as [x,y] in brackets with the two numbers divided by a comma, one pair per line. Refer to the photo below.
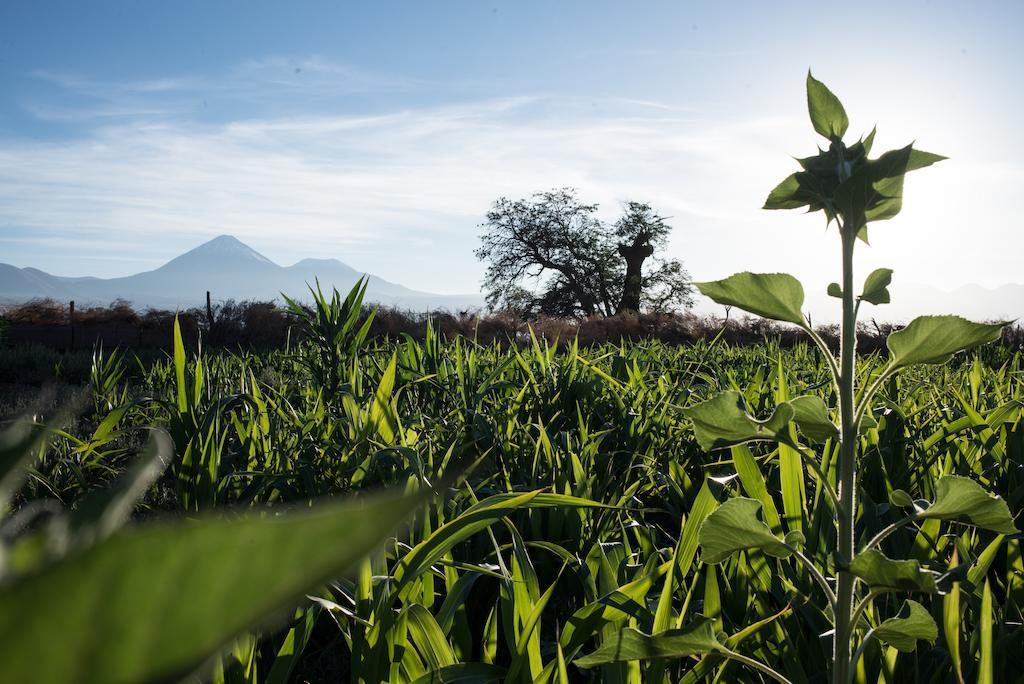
[757,665]
[845,547]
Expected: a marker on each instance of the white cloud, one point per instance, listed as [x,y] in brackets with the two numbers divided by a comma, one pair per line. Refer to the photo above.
[400,193]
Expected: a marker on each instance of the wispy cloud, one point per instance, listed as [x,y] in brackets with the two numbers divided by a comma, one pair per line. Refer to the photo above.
[400,192]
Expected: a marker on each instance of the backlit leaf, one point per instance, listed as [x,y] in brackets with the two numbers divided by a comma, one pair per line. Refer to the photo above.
[827,113]
[244,568]
[773,295]
[876,286]
[913,624]
[934,339]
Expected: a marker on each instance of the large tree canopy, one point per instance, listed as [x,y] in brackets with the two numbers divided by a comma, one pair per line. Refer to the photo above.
[551,254]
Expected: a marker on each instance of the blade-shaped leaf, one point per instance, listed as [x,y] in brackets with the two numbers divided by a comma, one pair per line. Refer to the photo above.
[934,339]
[733,527]
[722,421]
[913,624]
[884,574]
[827,113]
[876,286]
[959,498]
[464,673]
[629,644]
[811,416]
[773,295]
[247,567]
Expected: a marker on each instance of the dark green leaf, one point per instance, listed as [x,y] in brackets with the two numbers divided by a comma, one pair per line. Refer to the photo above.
[834,290]
[914,624]
[959,498]
[629,644]
[722,421]
[734,527]
[885,574]
[811,416]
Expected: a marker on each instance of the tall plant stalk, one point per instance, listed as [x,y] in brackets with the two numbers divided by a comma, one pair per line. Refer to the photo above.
[852,190]
[846,543]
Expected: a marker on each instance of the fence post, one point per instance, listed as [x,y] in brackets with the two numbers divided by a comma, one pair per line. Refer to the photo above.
[71,322]
[209,317]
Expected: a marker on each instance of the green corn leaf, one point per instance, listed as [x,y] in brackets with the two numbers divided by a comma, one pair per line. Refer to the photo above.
[876,286]
[629,644]
[475,519]
[913,624]
[20,444]
[827,113]
[247,567]
[722,421]
[735,527]
[961,498]
[934,339]
[778,296]
[951,622]
[811,416]
[103,511]
[464,673]
[986,656]
[885,574]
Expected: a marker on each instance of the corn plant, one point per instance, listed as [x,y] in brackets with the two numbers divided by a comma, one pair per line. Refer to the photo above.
[852,190]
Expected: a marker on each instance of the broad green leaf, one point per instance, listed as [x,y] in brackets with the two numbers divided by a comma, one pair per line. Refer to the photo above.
[197,582]
[629,644]
[961,498]
[778,296]
[934,339]
[885,574]
[876,286]
[811,415]
[735,527]
[913,624]
[722,421]
[827,114]
[834,290]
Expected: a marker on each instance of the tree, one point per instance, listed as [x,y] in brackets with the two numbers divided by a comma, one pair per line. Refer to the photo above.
[551,254]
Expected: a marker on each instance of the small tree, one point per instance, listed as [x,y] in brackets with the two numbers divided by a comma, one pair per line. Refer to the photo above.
[575,263]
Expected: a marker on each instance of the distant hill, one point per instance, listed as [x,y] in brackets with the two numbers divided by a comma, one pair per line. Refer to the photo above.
[229,269]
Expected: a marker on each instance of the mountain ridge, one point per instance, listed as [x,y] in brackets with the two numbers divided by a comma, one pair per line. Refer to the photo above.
[229,269]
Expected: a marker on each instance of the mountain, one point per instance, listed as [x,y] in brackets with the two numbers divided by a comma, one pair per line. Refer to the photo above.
[229,269]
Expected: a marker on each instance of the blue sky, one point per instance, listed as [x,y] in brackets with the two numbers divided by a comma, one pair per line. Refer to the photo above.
[379,133]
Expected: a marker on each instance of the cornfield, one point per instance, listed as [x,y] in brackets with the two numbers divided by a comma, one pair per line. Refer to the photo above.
[551,498]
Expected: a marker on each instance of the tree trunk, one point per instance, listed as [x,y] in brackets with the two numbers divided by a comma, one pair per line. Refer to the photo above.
[635,255]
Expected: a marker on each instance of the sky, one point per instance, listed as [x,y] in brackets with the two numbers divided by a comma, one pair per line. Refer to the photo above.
[380,133]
